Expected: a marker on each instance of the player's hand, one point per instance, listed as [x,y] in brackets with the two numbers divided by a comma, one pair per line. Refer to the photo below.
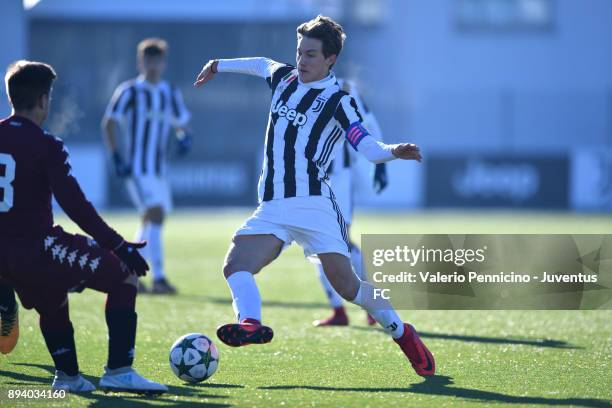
[129,255]
[407,151]
[207,73]
[380,177]
[121,168]
[185,141]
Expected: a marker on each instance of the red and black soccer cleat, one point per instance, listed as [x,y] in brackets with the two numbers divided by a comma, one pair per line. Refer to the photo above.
[370,319]
[248,331]
[339,318]
[420,357]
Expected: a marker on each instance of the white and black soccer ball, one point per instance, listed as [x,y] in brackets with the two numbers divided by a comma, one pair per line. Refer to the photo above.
[194,357]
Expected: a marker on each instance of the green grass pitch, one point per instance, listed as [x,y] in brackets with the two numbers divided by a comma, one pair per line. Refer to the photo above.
[518,358]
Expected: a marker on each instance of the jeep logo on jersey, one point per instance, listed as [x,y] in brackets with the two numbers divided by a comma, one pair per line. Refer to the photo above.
[293,116]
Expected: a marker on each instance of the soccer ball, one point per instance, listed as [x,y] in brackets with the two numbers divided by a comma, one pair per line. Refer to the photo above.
[194,357]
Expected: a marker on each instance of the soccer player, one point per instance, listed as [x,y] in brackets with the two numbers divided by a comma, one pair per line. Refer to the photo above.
[340,173]
[145,108]
[42,262]
[309,116]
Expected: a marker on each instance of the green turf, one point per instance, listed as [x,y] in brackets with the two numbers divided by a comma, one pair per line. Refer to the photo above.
[484,357]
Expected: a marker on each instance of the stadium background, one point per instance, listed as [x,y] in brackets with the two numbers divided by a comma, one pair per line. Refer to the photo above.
[512,103]
[511,100]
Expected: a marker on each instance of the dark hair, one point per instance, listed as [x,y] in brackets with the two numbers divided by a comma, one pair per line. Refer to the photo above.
[26,82]
[327,30]
[152,47]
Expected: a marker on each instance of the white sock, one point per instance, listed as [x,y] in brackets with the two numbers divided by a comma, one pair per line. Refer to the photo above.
[335,300]
[357,263]
[380,309]
[156,251]
[143,235]
[245,295]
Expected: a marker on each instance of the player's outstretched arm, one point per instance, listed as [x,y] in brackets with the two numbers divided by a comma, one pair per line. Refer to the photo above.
[257,66]
[71,198]
[350,120]
[407,151]
[207,74]
[128,253]
[378,152]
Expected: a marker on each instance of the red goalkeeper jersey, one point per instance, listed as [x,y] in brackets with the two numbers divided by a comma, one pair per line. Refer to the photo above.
[33,166]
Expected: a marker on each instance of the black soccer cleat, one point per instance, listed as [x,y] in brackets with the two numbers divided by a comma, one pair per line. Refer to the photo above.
[248,331]
[162,287]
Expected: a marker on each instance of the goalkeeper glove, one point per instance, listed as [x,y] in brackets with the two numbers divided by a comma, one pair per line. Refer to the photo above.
[184,142]
[380,178]
[122,169]
[128,253]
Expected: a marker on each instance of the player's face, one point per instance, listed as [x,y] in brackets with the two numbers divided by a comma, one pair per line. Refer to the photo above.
[311,62]
[153,67]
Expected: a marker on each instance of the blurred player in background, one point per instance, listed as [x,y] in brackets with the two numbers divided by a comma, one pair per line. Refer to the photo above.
[309,115]
[41,261]
[340,172]
[144,109]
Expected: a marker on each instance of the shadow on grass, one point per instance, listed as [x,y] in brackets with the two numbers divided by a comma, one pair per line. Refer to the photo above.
[50,369]
[99,399]
[546,343]
[549,343]
[269,303]
[130,400]
[215,385]
[24,379]
[442,385]
[560,344]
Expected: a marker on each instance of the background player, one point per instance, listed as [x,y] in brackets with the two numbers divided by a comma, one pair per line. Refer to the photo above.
[309,115]
[145,108]
[41,261]
[340,172]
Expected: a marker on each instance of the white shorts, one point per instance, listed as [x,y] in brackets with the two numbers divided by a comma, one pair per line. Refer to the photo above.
[150,191]
[341,183]
[314,222]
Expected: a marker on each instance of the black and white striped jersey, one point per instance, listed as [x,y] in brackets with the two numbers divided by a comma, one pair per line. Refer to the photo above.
[146,113]
[306,127]
[370,122]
